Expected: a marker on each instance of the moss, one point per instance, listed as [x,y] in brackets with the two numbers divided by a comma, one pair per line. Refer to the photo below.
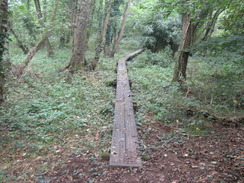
[146,157]
[105,156]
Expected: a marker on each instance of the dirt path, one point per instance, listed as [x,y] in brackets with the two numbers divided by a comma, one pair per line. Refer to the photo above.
[167,159]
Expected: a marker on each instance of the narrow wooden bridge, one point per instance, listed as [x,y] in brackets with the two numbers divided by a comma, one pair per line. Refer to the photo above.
[124,151]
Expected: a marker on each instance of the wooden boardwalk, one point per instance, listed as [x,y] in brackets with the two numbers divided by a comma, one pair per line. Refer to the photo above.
[124,140]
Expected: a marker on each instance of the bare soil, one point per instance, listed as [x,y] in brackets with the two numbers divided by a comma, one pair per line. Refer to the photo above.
[168,157]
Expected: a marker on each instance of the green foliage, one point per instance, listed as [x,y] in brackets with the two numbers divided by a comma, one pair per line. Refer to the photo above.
[43,110]
[163,58]
[115,10]
[199,127]
[222,46]
[159,33]
[25,22]
[3,29]
[2,175]
[219,82]
[155,95]
[233,20]
[115,14]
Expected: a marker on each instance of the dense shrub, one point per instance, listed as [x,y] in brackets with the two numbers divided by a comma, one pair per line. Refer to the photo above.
[159,33]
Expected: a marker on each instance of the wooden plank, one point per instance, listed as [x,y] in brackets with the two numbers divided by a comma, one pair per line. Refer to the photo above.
[124,139]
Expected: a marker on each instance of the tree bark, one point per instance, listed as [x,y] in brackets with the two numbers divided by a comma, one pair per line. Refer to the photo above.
[211,24]
[42,23]
[90,21]
[68,35]
[121,31]
[188,34]
[45,35]
[33,51]
[81,23]
[28,23]
[99,13]
[3,36]
[102,35]
[22,46]
[62,36]
[45,11]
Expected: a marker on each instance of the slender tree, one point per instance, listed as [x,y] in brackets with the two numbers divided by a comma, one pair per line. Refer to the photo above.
[122,28]
[195,18]
[99,13]
[42,23]
[188,34]
[3,37]
[38,45]
[81,14]
[209,29]
[112,27]
[102,35]
[22,46]
[190,26]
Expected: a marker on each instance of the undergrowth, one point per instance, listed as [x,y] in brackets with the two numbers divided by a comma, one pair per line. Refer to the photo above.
[43,114]
[216,75]
[214,87]
[159,100]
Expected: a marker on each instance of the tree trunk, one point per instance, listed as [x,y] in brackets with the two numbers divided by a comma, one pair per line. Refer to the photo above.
[33,51]
[62,36]
[112,27]
[80,29]
[188,34]
[45,35]
[42,23]
[23,47]
[61,40]
[45,11]
[110,36]
[3,35]
[211,24]
[102,35]
[121,31]
[90,21]
[28,23]
[68,35]
[48,47]
[99,13]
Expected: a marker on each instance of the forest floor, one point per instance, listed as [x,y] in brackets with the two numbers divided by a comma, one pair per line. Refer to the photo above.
[181,158]
[167,159]
[53,131]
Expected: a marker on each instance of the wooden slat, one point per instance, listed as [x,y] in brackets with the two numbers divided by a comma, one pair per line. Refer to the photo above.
[124,139]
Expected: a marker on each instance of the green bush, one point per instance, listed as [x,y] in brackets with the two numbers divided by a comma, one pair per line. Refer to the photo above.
[160,32]
[163,58]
